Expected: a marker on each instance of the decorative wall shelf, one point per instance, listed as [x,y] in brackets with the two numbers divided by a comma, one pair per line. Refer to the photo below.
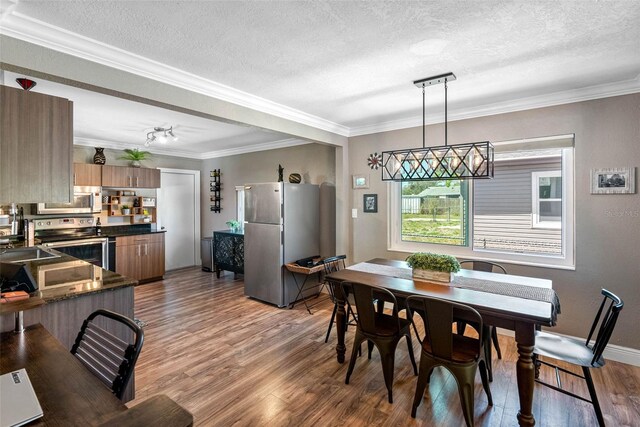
[216,187]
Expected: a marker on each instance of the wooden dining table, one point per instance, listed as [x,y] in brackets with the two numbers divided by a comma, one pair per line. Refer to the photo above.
[509,312]
[72,396]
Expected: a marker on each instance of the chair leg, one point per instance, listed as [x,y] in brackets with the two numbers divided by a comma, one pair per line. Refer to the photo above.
[387,356]
[426,368]
[536,364]
[411,356]
[370,348]
[494,338]
[352,362]
[485,382]
[487,351]
[465,377]
[333,316]
[594,397]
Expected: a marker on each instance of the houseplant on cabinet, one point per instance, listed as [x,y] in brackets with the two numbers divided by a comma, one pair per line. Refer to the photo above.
[135,156]
[436,267]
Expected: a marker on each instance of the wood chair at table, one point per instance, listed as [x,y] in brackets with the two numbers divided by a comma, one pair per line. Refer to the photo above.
[460,354]
[379,329]
[108,357]
[490,267]
[578,352]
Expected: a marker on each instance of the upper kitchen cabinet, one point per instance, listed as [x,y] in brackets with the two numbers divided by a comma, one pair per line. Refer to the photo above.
[36,147]
[129,177]
[87,174]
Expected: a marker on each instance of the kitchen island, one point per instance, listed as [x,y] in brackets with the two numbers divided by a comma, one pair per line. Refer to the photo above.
[72,289]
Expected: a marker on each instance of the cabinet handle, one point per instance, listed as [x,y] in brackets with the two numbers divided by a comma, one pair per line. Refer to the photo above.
[137,181]
[138,250]
[74,179]
[130,184]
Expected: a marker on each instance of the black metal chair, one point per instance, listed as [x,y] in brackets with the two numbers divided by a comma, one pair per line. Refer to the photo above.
[331,265]
[108,357]
[379,329]
[490,267]
[461,355]
[578,352]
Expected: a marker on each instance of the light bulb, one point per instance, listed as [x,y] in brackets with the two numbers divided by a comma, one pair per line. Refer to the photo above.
[163,138]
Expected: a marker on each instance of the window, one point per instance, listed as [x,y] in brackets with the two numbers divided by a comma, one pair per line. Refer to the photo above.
[547,200]
[524,215]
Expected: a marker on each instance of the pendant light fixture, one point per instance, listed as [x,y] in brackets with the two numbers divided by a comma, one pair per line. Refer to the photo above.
[457,161]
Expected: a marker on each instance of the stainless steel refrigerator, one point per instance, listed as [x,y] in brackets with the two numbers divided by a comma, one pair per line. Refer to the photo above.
[282,224]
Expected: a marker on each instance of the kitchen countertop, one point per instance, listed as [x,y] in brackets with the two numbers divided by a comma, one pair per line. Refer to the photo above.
[67,277]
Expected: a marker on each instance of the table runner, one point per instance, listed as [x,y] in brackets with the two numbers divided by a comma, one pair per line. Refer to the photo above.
[490,286]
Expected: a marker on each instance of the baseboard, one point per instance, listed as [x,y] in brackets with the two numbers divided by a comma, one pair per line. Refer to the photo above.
[617,353]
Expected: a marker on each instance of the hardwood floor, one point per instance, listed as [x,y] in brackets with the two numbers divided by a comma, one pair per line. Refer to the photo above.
[231,360]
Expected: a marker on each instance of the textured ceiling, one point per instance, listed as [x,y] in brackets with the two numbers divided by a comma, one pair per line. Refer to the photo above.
[352,62]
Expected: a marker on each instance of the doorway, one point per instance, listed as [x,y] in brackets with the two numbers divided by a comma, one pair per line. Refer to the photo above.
[179,215]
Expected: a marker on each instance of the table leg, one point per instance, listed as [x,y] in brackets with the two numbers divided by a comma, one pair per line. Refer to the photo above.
[341,319]
[525,369]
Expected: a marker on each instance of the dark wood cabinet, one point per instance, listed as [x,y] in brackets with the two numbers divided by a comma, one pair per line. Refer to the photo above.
[228,251]
[140,257]
[36,147]
[129,177]
[87,174]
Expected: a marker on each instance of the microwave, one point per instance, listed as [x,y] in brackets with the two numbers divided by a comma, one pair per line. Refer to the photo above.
[85,200]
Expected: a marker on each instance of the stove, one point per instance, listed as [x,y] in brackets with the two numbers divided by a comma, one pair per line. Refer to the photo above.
[78,237]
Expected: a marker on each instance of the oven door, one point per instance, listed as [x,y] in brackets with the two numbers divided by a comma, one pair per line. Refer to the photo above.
[85,200]
[94,251]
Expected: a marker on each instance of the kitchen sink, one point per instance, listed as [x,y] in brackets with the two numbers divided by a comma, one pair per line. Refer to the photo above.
[26,254]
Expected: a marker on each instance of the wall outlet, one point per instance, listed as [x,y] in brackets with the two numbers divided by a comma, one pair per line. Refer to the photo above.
[354,213]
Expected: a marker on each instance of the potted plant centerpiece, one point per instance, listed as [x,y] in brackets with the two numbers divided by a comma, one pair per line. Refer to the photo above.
[435,267]
[135,156]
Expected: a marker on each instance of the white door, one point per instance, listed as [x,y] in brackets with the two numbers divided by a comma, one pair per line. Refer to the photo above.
[179,215]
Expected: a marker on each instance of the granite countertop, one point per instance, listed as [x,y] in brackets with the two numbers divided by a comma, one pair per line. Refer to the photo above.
[67,277]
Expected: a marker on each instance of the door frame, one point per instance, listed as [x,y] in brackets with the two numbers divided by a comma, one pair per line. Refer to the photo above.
[196,189]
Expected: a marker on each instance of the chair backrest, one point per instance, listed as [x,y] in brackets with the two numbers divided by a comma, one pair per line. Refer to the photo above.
[607,324]
[334,263]
[487,266]
[366,298]
[108,357]
[439,315]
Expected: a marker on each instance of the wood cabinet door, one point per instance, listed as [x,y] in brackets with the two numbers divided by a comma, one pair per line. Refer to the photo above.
[128,260]
[36,147]
[152,264]
[87,174]
[116,176]
[147,178]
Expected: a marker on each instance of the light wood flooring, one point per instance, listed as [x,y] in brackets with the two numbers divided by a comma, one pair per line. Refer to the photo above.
[231,360]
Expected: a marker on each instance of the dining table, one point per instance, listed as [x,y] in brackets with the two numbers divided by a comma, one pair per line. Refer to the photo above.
[517,303]
[69,394]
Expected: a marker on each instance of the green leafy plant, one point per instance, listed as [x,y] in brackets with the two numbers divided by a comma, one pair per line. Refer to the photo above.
[435,262]
[135,155]
[233,224]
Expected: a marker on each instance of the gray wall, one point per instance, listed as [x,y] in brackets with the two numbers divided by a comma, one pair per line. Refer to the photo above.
[607,134]
[315,162]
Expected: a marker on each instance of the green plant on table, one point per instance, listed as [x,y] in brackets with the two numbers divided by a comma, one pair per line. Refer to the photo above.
[233,224]
[435,262]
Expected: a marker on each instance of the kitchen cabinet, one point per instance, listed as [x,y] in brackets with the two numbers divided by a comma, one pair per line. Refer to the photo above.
[86,174]
[129,177]
[36,147]
[141,256]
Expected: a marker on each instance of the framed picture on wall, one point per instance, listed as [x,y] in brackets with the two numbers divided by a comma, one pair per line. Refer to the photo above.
[613,181]
[360,181]
[370,203]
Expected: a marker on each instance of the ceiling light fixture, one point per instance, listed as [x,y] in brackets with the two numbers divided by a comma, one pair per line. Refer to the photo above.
[458,161]
[162,138]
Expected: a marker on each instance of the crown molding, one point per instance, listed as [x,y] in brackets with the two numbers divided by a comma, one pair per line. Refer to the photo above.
[22,27]
[606,90]
[168,151]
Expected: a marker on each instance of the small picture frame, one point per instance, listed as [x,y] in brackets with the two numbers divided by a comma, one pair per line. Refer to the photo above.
[613,181]
[360,181]
[370,203]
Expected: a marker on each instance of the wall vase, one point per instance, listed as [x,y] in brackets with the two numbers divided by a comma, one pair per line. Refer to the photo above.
[99,158]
